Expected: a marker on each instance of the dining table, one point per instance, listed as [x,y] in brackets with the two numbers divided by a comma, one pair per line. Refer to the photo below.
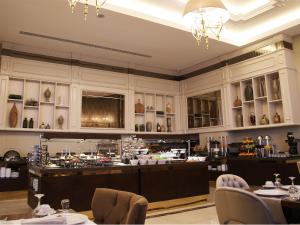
[290,208]
[72,218]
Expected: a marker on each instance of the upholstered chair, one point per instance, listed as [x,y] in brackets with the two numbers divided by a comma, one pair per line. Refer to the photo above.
[236,205]
[118,207]
[230,180]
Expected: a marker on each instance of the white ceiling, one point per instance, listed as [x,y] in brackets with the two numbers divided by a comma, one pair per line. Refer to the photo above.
[140,26]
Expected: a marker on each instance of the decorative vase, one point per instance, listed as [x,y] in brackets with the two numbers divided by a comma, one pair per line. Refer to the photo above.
[264,120]
[239,119]
[60,121]
[42,125]
[148,126]
[47,94]
[276,89]
[25,123]
[158,127]
[276,118]
[139,107]
[261,88]
[13,116]
[237,102]
[168,108]
[142,127]
[248,92]
[31,123]
[252,119]
[169,124]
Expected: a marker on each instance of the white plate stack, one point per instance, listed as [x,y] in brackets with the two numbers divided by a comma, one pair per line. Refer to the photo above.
[8,172]
[2,172]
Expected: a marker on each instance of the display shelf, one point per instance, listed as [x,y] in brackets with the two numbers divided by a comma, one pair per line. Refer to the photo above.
[154,103]
[266,101]
[204,110]
[35,104]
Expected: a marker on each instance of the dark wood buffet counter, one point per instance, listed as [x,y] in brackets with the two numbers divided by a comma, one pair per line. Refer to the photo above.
[256,171]
[155,182]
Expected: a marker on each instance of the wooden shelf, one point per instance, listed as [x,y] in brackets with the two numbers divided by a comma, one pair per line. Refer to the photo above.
[15,100]
[47,103]
[62,106]
[30,107]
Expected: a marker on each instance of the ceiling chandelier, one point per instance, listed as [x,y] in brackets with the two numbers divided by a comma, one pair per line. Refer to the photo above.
[205,18]
[99,4]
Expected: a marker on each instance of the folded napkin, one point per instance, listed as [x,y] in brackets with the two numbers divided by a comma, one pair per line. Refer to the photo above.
[45,220]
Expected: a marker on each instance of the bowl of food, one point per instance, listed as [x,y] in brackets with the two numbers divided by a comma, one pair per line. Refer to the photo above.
[161,161]
[142,161]
[134,162]
[152,161]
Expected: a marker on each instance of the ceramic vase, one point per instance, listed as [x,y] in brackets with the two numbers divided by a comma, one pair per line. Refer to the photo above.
[248,93]
[239,119]
[276,118]
[139,107]
[158,127]
[264,120]
[148,126]
[276,89]
[13,116]
[252,119]
[47,95]
[168,108]
[60,121]
[237,102]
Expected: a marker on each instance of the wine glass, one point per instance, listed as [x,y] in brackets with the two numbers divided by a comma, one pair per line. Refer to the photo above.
[37,208]
[277,180]
[293,190]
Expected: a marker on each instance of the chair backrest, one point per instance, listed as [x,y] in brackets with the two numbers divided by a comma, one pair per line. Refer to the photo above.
[239,206]
[230,180]
[118,207]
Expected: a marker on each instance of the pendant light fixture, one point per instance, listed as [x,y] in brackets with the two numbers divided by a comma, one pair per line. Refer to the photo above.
[205,18]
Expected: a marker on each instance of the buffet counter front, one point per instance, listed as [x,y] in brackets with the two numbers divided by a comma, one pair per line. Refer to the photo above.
[155,182]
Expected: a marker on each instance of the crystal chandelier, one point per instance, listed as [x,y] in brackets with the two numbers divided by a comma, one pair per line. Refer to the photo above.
[99,4]
[205,18]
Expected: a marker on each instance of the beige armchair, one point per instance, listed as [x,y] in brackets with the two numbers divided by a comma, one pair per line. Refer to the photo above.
[239,206]
[230,180]
[118,207]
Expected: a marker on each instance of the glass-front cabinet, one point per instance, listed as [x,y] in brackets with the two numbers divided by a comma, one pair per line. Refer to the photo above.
[102,110]
[204,110]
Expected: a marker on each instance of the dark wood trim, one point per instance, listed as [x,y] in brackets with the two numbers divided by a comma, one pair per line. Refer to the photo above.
[83,135]
[111,68]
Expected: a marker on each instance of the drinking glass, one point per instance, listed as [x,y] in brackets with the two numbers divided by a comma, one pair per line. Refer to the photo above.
[277,180]
[293,190]
[37,208]
[65,205]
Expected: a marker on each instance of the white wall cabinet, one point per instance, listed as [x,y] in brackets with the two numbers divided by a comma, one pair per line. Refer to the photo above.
[31,78]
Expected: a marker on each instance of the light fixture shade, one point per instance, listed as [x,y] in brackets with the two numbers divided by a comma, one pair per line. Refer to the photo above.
[205,18]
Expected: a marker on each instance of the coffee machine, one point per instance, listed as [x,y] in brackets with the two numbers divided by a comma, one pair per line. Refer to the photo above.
[292,142]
